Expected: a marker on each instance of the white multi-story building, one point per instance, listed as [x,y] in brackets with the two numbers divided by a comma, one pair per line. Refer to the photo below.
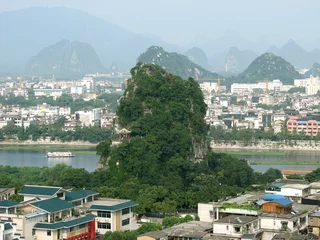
[88,83]
[89,117]
[209,86]
[275,85]
[312,84]
[55,93]
[78,90]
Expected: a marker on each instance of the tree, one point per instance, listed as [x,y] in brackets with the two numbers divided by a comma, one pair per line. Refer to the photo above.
[103,149]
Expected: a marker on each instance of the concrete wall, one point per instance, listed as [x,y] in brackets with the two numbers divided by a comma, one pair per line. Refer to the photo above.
[42,235]
[204,212]
[291,192]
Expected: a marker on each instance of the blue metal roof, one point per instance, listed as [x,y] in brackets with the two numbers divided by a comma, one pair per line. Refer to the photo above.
[302,122]
[284,202]
[272,197]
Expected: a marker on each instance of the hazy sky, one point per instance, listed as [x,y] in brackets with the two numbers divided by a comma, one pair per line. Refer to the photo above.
[180,21]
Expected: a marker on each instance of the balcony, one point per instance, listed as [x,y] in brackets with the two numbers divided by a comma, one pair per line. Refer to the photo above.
[76,233]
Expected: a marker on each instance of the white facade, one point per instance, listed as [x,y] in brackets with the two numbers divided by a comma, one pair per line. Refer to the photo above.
[78,90]
[88,83]
[55,93]
[88,117]
[295,190]
[209,86]
[312,84]
[275,85]
[279,223]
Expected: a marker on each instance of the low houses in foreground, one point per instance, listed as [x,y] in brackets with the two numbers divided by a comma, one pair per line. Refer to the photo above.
[53,213]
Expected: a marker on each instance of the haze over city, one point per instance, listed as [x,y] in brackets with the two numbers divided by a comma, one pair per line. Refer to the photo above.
[159,120]
[186,22]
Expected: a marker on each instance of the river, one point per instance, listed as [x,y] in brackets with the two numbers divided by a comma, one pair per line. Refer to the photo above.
[39,159]
[260,161]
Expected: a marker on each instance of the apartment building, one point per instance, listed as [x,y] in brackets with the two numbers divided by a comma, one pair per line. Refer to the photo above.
[54,213]
[308,125]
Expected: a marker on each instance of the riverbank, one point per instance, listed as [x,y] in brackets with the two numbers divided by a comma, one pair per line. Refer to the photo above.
[269,146]
[78,147]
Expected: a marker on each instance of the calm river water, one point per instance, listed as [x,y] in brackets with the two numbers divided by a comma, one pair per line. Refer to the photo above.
[39,159]
[260,160]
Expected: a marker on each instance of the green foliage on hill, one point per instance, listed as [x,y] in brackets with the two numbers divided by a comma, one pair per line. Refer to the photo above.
[175,63]
[313,176]
[156,166]
[267,66]
[66,59]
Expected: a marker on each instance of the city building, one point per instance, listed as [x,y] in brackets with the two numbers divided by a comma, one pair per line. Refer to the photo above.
[5,193]
[272,86]
[55,93]
[312,84]
[112,215]
[308,125]
[55,213]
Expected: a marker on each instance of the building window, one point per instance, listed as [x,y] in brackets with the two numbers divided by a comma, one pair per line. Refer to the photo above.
[125,222]
[311,219]
[60,195]
[125,211]
[104,225]
[33,232]
[49,233]
[104,214]
[227,227]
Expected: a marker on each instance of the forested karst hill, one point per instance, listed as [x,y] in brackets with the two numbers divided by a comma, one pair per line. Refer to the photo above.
[175,63]
[268,66]
[65,58]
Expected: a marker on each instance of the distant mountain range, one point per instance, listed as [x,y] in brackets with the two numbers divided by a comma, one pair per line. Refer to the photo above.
[314,71]
[198,56]
[296,55]
[65,58]
[267,66]
[237,61]
[175,63]
[25,32]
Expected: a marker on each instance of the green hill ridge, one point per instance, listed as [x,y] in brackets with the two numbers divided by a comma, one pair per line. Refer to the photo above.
[175,63]
[267,66]
[65,58]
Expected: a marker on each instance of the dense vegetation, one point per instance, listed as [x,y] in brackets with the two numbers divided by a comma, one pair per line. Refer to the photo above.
[313,176]
[65,58]
[267,66]
[175,63]
[159,167]
[55,131]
